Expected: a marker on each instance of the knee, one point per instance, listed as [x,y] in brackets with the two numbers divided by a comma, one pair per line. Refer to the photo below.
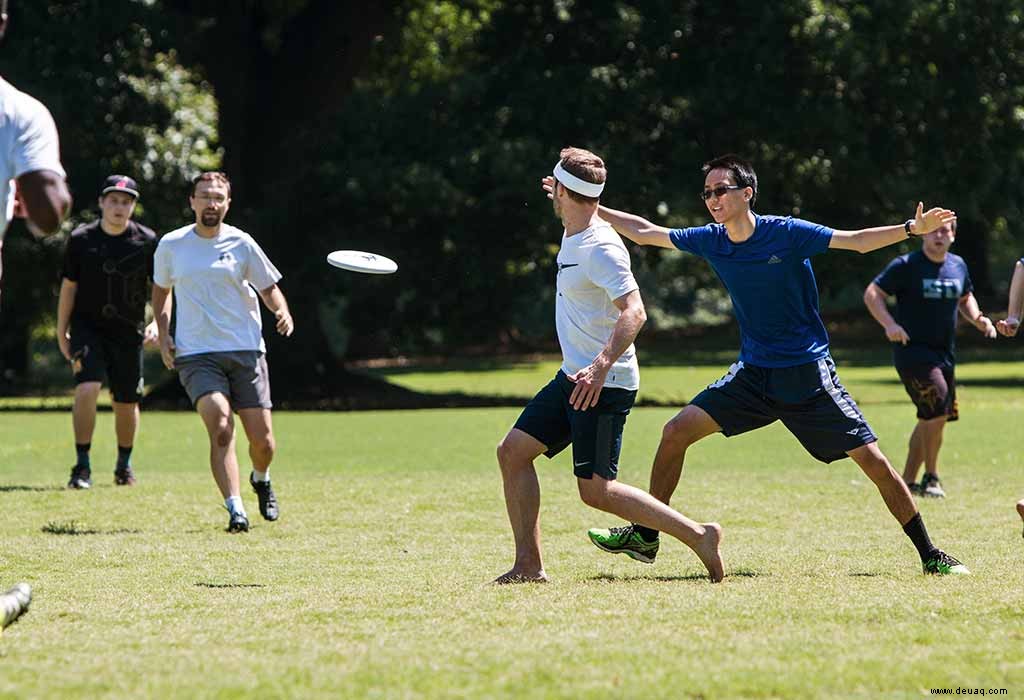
[679,431]
[88,390]
[265,445]
[505,453]
[593,492]
[223,432]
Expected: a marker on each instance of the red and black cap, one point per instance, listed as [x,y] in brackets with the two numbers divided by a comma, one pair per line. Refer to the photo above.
[120,183]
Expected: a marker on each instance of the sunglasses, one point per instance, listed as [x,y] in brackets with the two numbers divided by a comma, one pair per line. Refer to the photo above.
[718,191]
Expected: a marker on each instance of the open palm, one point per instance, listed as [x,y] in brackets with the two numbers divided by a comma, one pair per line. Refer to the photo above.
[928,221]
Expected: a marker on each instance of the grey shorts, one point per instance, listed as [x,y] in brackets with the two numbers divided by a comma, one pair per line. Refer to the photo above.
[241,375]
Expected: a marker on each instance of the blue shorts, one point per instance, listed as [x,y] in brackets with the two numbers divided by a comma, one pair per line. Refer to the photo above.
[808,399]
[595,434]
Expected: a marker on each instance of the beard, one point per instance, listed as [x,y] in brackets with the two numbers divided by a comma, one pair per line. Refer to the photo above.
[210,218]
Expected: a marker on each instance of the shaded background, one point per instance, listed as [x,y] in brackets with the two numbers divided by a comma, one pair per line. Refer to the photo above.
[420,130]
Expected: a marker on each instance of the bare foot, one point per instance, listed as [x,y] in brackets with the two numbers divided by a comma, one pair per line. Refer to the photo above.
[707,550]
[515,576]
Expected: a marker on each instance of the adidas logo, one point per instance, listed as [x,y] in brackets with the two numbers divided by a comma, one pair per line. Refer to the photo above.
[853,432]
[774,260]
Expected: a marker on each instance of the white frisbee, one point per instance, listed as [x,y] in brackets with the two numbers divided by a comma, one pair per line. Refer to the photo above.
[358,261]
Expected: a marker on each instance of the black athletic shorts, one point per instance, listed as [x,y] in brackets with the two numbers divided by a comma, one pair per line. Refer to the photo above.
[808,399]
[595,434]
[932,388]
[114,353]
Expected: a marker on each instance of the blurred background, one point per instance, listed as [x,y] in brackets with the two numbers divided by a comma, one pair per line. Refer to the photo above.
[421,129]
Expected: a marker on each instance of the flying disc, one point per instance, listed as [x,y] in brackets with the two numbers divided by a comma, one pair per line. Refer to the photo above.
[358,261]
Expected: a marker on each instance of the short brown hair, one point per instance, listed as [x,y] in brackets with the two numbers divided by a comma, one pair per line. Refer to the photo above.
[586,166]
[211,176]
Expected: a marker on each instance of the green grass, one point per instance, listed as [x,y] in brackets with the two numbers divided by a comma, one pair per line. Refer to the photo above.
[373,583]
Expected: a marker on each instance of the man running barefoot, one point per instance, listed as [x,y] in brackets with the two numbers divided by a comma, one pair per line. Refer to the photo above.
[598,313]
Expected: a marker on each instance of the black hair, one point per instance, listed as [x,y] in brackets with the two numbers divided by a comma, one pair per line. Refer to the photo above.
[741,169]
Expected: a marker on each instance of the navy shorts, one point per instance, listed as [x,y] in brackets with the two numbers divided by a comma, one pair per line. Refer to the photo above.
[932,388]
[808,399]
[595,434]
[114,353]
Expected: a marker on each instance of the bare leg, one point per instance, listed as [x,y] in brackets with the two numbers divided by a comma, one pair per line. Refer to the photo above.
[685,428]
[215,410]
[83,411]
[893,489]
[644,509]
[932,442]
[260,431]
[126,422]
[522,500]
[915,454]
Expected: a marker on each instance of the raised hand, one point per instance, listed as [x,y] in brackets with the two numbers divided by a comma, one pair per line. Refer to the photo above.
[928,221]
[548,185]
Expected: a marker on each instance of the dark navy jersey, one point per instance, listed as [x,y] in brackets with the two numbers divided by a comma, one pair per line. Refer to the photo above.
[927,296]
[112,273]
[772,286]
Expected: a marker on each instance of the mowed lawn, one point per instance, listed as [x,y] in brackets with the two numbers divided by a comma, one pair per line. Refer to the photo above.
[374,582]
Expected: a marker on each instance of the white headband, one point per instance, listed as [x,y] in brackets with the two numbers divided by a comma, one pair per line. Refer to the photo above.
[570,181]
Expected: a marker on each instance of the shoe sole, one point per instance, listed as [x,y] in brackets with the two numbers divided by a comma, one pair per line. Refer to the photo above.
[232,528]
[933,495]
[642,558]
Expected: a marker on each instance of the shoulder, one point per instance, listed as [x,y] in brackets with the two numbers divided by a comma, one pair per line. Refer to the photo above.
[21,106]
[144,233]
[603,235]
[174,237]
[234,233]
[83,231]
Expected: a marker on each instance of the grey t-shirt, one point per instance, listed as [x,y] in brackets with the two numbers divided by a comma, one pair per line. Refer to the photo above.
[213,280]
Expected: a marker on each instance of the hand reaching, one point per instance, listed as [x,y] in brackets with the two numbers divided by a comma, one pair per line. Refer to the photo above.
[928,221]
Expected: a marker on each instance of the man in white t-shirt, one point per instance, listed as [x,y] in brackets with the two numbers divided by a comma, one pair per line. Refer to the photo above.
[216,271]
[31,177]
[598,313]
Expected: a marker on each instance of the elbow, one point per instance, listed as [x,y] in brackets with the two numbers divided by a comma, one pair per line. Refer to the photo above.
[641,317]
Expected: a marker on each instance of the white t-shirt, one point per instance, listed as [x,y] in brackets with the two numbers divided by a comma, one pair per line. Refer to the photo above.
[213,279]
[593,270]
[28,142]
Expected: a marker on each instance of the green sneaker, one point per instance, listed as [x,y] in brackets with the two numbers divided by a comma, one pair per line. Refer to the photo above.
[625,540]
[941,564]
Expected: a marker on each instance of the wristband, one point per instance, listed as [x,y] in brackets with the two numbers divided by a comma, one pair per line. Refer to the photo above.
[906,226]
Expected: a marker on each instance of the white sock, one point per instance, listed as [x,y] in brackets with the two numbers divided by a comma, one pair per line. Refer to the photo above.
[234,504]
[261,476]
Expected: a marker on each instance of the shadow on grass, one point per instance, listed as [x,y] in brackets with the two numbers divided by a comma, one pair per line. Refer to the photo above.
[208,584]
[72,527]
[615,578]
[8,488]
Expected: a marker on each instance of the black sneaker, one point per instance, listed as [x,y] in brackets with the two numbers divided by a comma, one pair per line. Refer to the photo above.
[931,487]
[266,497]
[81,477]
[124,476]
[238,523]
[941,563]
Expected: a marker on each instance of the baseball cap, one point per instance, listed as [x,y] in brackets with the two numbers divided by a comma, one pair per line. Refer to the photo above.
[120,183]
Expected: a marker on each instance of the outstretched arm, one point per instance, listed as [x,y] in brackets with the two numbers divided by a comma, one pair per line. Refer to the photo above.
[867,239]
[635,228]
[970,310]
[874,299]
[1012,323]
[273,297]
[591,378]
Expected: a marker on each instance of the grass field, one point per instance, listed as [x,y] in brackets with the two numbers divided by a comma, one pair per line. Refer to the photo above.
[374,582]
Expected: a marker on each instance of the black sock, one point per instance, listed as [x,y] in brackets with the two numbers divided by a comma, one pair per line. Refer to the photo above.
[83,454]
[919,536]
[646,533]
[124,457]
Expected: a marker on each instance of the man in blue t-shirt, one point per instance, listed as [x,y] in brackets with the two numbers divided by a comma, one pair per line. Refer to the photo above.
[930,286]
[784,371]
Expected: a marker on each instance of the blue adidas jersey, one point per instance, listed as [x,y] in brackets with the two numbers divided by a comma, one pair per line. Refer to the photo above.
[772,286]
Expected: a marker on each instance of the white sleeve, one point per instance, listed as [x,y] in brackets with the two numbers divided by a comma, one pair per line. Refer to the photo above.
[608,268]
[259,271]
[162,273]
[37,147]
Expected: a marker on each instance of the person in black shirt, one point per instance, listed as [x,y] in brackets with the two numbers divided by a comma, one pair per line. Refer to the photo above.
[108,266]
[930,285]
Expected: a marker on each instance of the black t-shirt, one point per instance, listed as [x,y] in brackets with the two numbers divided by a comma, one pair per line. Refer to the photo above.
[113,273]
[927,296]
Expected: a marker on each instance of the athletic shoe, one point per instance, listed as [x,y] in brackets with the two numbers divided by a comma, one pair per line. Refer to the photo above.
[941,563]
[14,603]
[81,478]
[124,476]
[931,487]
[625,540]
[915,488]
[238,523]
[266,497]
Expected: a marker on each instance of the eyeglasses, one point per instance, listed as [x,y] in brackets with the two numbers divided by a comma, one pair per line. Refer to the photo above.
[718,191]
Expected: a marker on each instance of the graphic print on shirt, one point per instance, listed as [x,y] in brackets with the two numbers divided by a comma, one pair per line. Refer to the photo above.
[942,288]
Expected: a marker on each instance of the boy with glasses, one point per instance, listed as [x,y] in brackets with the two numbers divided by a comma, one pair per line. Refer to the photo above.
[784,371]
